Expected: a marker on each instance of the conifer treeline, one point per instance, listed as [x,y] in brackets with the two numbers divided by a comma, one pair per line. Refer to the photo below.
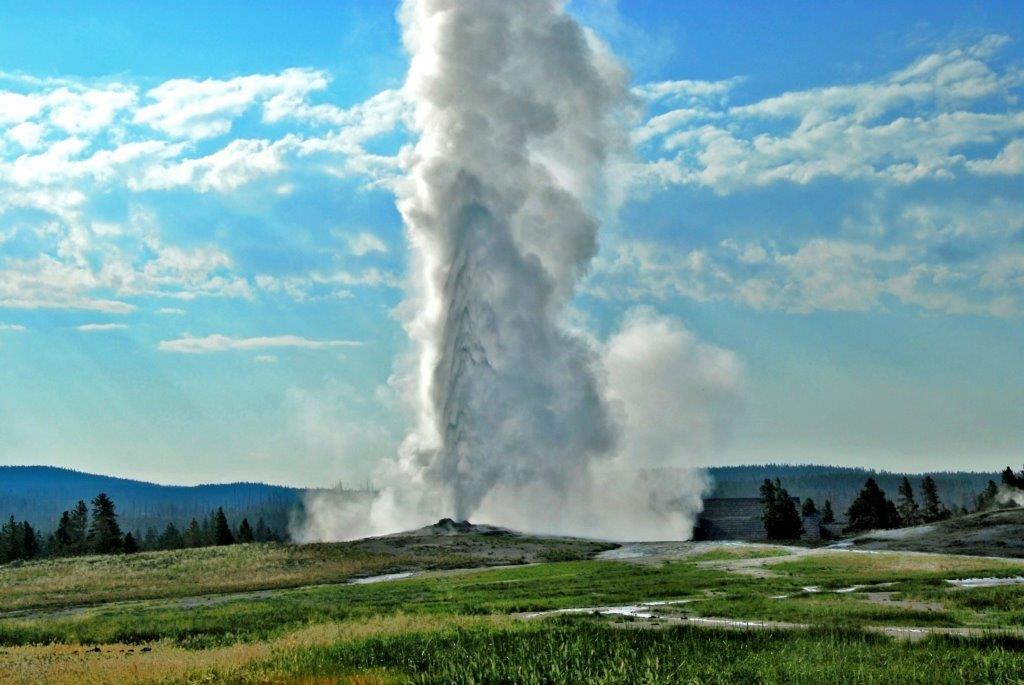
[872,510]
[81,531]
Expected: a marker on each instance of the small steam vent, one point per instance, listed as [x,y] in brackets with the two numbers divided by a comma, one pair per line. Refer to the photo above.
[452,527]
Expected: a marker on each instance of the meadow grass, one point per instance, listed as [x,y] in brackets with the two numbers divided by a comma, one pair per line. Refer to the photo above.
[461,626]
[840,569]
[498,591]
[744,552]
[531,588]
[585,651]
[49,583]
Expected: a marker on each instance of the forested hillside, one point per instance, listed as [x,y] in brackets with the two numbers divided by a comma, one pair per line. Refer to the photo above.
[840,485]
[38,494]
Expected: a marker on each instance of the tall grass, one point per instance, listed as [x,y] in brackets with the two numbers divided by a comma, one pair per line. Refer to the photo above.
[588,652]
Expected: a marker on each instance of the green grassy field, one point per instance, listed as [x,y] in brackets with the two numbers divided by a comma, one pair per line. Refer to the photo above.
[238,568]
[295,619]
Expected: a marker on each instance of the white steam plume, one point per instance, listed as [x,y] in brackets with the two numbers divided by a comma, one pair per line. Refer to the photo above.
[514,106]
[519,112]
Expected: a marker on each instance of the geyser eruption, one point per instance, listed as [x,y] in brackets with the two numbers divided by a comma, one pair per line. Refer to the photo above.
[514,105]
[521,422]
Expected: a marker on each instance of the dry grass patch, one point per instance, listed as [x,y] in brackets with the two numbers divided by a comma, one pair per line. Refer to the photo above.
[166,662]
[119,663]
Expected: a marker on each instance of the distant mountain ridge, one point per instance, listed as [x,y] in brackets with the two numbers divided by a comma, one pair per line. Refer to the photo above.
[39,494]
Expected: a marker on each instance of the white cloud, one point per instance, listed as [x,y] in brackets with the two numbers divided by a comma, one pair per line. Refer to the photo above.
[1010,160]
[915,123]
[101,327]
[26,134]
[64,143]
[334,284]
[186,108]
[222,343]
[265,359]
[237,163]
[365,243]
[12,328]
[70,107]
[170,311]
[687,91]
[984,276]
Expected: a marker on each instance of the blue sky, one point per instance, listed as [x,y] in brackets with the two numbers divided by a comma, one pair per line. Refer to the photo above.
[200,255]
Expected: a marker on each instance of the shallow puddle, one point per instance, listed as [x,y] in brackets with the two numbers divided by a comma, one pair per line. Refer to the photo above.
[383,578]
[986,582]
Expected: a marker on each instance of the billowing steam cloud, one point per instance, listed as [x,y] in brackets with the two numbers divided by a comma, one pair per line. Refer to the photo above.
[514,106]
[518,111]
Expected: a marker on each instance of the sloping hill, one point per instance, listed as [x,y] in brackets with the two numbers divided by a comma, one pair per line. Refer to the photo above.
[990,533]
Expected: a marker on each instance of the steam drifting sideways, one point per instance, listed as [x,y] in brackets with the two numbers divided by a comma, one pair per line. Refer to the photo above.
[518,110]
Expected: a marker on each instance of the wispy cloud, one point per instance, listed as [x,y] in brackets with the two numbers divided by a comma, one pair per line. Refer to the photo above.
[365,243]
[222,343]
[12,328]
[63,142]
[101,327]
[926,121]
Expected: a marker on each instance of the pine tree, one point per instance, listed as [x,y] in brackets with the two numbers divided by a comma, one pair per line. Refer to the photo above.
[245,532]
[78,528]
[171,538]
[206,529]
[826,513]
[986,499]
[910,514]
[152,540]
[780,517]
[194,536]
[222,531]
[50,547]
[62,537]
[1010,478]
[808,508]
[262,533]
[12,541]
[791,527]
[871,510]
[31,545]
[932,508]
[130,546]
[769,508]
[104,532]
